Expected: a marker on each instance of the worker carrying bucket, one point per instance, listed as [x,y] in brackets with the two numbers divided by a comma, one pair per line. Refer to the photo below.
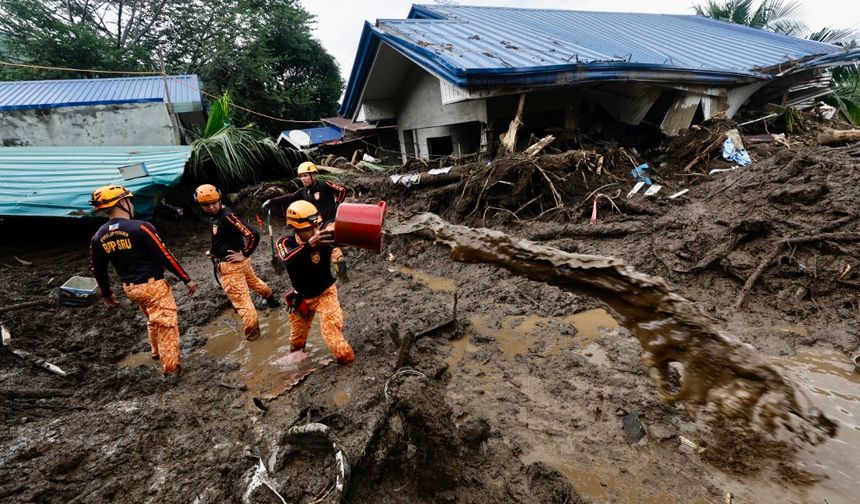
[307,254]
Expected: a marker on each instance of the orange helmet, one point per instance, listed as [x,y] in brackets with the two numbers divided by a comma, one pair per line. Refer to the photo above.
[301,214]
[207,193]
[307,167]
[108,196]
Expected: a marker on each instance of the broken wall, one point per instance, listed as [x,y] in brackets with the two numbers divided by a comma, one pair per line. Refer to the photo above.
[97,125]
[422,116]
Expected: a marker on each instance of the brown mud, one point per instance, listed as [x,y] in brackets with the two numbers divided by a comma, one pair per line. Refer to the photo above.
[523,401]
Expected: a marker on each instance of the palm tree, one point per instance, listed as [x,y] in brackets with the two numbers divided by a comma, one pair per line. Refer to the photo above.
[235,153]
[772,15]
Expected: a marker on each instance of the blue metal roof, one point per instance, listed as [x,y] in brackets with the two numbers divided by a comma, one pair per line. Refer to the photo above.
[58,181]
[20,95]
[323,134]
[476,47]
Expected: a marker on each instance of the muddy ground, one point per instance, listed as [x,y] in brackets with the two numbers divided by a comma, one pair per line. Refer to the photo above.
[523,401]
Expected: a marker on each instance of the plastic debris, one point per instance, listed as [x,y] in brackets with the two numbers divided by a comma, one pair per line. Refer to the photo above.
[679,193]
[721,170]
[739,156]
[654,189]
[642,173]
[439,171]
[635,189]
[408,179]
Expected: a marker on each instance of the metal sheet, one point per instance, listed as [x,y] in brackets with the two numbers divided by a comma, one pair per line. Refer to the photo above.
[484,47]
[20,95]
[58,181]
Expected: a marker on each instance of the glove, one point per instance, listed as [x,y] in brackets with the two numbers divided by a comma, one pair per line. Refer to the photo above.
[296,303]
[266,204]
[340,269]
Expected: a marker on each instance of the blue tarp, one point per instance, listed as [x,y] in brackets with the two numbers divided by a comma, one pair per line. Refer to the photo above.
[58,181]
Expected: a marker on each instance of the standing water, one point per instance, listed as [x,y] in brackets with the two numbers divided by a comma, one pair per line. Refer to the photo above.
[719,372]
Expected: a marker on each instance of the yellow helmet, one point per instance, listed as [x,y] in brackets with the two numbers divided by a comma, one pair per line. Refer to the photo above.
[108,196]
[307,167]
[301,214]
[207,193]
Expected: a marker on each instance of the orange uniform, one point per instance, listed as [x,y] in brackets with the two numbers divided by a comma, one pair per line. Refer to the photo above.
[232,234]
[309,269]
[140,257]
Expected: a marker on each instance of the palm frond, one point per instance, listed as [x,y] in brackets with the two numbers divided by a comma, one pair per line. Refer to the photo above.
[233,155]
[219,116]
[830,35]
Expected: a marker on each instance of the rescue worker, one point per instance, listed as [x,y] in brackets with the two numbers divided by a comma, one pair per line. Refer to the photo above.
[325,196]
[233,242]
[307,255]
[139,257]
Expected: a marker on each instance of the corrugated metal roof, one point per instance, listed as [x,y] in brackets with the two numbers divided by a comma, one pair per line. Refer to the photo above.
[498,37]
[58,181]
[474,47]
[19,95]
[345,124]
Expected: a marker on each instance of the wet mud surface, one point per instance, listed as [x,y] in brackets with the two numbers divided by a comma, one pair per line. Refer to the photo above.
[523,401]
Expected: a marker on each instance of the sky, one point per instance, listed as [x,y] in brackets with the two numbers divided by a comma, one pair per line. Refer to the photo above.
[339,22]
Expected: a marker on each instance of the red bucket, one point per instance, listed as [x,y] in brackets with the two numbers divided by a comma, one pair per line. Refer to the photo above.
[359,225]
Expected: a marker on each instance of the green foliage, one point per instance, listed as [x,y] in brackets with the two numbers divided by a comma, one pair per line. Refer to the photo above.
[793,121]
[219,116]
[229,155]
[261,51]
[846,92]
[772,15]
[232,156]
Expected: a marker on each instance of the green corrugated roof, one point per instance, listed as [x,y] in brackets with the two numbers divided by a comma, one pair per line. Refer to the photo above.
[58,181]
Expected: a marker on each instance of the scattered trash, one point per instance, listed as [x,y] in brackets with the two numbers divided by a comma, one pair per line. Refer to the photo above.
[23,262]
[389,257]
[370,159]
[633,428]
[439,171]
[654,189]
[260,478]
[728,498]
[318,434]
[635,189]
[79,291]
[40,362]
[690,443]
[721,170]
[857,363]
[408,179]
[6,336]
[844,272]
[739,156]
[405,371]
[679,193]
[641,173]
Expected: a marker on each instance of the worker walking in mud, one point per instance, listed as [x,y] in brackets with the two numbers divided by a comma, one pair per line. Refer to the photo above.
[307,255]
[139,258]
[325,196]
[233,242]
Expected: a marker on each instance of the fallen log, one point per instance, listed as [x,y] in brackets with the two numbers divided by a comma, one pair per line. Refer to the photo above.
[539,146]
[713,145]
[831,136]
[509,138]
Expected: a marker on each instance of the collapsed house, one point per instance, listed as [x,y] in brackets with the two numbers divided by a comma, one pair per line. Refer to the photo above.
[62,138]
[450,76]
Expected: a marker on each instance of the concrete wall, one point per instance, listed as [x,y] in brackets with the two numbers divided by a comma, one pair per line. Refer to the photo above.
[127,124]
[420,113]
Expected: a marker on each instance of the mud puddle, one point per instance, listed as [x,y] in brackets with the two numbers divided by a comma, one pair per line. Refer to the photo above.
[433,282]
[264,367]
[516,335]
[720,372]
[830,382]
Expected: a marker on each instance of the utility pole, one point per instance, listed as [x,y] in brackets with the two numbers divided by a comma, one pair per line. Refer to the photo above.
[174,121]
